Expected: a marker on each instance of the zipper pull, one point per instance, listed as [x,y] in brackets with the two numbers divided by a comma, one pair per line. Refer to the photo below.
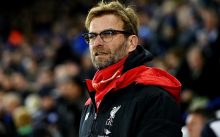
[95,116]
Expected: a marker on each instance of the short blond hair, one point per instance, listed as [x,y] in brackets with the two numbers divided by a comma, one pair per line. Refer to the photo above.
[127,15]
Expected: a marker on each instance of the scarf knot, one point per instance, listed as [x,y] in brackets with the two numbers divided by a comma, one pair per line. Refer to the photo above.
[99,86]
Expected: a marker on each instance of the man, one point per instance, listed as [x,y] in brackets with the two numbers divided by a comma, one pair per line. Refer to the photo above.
[127,99]
[196,121]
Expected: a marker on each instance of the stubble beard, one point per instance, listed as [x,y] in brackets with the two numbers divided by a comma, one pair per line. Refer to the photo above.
[113,58]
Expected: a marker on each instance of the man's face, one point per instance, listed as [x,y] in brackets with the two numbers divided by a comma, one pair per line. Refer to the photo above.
[103,53]
[195,123]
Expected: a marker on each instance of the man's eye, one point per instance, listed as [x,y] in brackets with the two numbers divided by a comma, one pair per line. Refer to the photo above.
[107,33]
[91,36]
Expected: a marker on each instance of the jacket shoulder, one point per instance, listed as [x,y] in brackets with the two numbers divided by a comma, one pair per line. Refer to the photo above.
[151,92]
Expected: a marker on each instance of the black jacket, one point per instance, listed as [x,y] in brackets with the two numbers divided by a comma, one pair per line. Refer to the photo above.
[211,129]
[135,111]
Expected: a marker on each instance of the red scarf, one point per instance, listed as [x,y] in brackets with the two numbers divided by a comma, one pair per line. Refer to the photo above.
[111,79]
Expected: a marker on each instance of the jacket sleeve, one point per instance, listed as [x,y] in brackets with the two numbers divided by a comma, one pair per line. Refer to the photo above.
[158,114]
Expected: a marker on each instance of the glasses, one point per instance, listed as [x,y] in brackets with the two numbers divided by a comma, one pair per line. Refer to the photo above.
[106,35]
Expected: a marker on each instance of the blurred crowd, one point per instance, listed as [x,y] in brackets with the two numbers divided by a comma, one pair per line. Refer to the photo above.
[44,61]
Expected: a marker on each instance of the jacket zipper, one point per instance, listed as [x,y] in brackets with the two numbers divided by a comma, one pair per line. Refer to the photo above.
[92,96]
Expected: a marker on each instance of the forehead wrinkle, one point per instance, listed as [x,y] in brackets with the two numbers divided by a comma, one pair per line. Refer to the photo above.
[104,22]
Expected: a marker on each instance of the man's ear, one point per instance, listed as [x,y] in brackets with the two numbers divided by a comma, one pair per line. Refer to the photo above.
[132,43]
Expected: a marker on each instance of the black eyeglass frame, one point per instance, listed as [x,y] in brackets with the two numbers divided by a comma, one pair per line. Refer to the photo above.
[111,32]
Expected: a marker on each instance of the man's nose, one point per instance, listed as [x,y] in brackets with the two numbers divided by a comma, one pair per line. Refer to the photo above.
[98,41]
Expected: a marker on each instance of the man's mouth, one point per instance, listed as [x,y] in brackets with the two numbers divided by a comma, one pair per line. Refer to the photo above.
[100,54]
